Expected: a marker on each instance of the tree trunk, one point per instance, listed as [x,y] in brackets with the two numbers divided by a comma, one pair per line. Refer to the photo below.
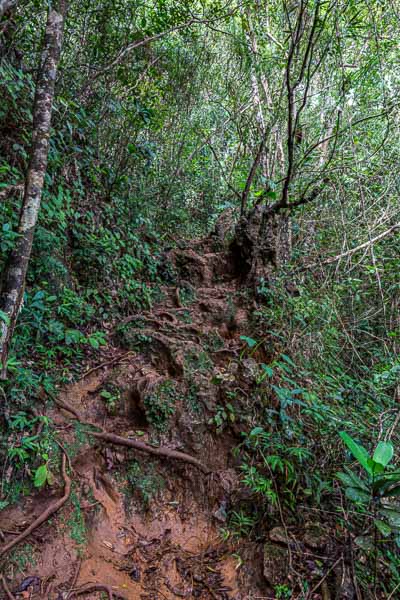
[263,240]
[6,5]
[261,243]
[15,271]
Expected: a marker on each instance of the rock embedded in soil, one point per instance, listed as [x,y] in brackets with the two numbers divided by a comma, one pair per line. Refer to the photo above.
[315,536]
[278,534]
[276,564]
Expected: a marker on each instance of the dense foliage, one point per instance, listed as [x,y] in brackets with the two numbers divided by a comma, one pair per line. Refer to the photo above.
[159,113]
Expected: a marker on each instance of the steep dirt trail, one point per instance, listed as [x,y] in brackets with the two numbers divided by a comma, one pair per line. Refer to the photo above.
[150,527]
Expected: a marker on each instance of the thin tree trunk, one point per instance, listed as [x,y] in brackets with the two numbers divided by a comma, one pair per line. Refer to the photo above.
[17,265]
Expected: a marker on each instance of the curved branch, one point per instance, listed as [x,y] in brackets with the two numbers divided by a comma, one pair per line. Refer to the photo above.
[50,510]
[367,244]
[97,587]
[129,443]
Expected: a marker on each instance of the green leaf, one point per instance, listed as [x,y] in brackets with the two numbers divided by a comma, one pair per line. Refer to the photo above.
[357,495]
[358,451]
[268,370]
[383,527]
[40,476]
[350,479]
[249,341]
[287,359]
[394,491]
[256,431]
[4,317]
[381,485]
[393,516]
[377,468]
[344,478]
[94,343]
[383,453]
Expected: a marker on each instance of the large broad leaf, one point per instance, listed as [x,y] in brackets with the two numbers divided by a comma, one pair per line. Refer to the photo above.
[344,478]
[40,476]
[350,479]
[391,492]
[357,495]
[383,527]
[383,453]
[359,452]
[256,431]
[386,485]
[377,467]
[391,515]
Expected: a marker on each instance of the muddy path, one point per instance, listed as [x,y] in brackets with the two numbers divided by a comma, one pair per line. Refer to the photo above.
[138,525]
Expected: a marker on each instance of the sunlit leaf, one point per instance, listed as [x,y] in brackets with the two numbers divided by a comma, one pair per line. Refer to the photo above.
[358,451]
[383,453]
[40,476]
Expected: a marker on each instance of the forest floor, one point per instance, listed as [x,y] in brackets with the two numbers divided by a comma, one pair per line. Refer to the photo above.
[142,525]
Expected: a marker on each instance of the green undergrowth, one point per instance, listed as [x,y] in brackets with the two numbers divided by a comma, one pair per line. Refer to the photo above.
[140,483]
[75,523]
[95,258]
[22,558]
[160,404]
[307,385]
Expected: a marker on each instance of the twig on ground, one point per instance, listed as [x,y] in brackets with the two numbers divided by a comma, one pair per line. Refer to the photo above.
[321,581]
[75,579]
[50,510]
[97,587]
[7,590]
[105,364]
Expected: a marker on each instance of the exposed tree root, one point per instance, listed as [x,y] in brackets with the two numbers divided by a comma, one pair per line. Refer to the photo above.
[138,445]
[160,451]
[166,340]
[149,318]
[97,587]
[167,314]
[138,317]
[74,580]
[67,407]
[107,363]
[191,328]
[53,508]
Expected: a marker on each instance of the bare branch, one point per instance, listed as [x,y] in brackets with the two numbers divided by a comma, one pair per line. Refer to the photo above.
[367,244]
[251,175]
